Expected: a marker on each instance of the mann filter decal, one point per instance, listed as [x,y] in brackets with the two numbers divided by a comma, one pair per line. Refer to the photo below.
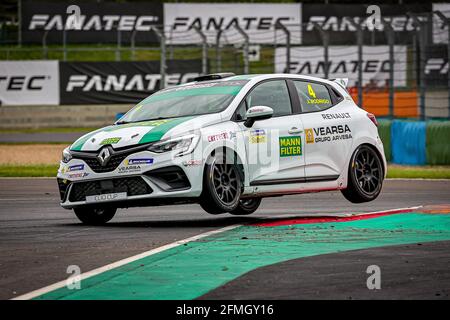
[290,146]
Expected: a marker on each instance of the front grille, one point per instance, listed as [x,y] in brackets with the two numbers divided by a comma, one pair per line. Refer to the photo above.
[111,165]
[133,186]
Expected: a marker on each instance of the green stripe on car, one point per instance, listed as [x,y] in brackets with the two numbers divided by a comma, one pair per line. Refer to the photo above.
[157,132]
[157,128]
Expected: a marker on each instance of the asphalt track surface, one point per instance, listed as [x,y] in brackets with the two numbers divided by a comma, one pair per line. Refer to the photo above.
[38,239]
[406,274]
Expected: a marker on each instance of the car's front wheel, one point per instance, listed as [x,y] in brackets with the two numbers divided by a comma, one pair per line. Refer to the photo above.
[365,176]
[221,185]
[95,216]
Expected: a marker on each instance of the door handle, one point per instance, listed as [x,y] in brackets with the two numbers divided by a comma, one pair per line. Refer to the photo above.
[294,130]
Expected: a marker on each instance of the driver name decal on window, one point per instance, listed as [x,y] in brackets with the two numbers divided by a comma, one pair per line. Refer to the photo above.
[314,99]
[313,96]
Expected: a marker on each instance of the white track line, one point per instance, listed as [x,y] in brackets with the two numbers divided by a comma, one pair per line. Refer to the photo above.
[83,276]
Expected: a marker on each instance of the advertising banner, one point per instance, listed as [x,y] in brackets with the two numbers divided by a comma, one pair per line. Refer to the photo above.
[29,83]
[335,18]
[258,20]
[343,63]
[440,29]
[99,22]
[436,66]
[119,82]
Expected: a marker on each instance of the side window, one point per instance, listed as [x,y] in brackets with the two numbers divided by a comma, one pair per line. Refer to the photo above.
[241,111]
[272,94]
[313,96]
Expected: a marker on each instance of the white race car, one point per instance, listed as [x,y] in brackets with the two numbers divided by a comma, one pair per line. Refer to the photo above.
[225,142]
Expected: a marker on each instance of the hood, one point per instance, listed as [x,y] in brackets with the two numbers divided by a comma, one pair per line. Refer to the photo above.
[119,136]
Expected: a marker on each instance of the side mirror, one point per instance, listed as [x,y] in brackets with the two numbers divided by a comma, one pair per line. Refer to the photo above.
[257,113]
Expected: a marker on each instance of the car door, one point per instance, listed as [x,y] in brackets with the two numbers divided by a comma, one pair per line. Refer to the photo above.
[328,130]
[274,146]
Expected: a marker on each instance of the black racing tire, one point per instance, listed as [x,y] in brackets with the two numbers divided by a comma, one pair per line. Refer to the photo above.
[95,216]
[365,175]
[246,206]
[222,185]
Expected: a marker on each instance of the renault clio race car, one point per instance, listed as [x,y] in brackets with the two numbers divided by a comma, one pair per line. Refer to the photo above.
[225,142]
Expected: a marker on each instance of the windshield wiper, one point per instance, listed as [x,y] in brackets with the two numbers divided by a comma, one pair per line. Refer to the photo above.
[144,120]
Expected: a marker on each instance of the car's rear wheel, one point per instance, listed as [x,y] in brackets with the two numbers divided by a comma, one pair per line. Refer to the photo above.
[221,185]
[246,206]
[95,216]
[365,176]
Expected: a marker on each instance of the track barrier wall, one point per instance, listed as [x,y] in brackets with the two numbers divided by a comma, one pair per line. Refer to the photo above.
[408,142]
[416,142]
[384,130]
[437,142]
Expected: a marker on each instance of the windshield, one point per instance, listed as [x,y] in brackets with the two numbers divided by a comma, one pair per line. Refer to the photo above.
[190,100]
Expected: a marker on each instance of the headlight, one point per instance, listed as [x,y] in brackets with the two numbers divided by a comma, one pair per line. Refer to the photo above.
[66,155]
[183,145]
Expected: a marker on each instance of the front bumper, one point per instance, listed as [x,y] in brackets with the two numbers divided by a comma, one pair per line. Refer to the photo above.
[163,180]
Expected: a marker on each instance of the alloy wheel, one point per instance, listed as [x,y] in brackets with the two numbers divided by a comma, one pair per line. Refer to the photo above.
[225,182]
[368,171]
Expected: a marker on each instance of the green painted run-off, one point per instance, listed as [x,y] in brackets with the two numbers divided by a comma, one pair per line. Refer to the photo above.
[191,270]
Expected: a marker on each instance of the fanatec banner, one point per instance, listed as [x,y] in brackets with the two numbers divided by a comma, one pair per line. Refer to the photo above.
[343,63]
[29,83]
[258,20]
[440,29]
[336,19]
[99,22]
[436,66]
[119,82]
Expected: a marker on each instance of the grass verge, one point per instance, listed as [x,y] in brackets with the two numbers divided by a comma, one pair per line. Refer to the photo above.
[48,130]
[44,170]
[425,172]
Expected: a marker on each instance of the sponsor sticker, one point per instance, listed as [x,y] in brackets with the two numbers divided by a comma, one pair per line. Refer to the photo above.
[77,167]
[309,133]
[258,136]
[339,115]
[78,175]
[139,161]
[192,163]
[129,169]
[290,146]
[110,141]
[220,136]
[106,197]
[328,134]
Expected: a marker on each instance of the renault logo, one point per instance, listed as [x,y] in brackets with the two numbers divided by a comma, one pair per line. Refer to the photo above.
[104,156]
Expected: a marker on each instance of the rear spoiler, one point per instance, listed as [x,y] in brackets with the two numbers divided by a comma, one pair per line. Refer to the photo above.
[343,82]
